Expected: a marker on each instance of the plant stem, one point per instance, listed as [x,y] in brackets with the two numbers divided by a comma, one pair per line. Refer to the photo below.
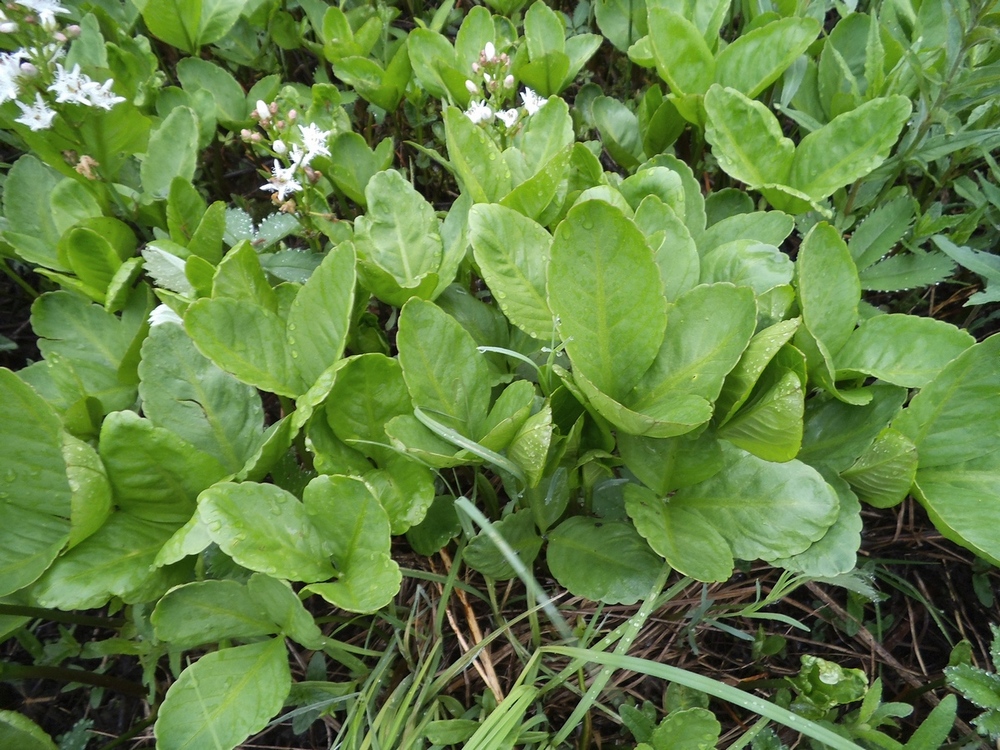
[53,615]
[10,671]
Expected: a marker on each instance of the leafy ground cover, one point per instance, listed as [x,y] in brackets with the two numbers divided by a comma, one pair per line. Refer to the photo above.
[499,375]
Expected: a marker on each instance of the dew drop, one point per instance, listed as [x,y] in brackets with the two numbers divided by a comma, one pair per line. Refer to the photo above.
[215,525]
[10,476]
[295,355]
[291,341]
[588,224]
[4,495]
[291,326]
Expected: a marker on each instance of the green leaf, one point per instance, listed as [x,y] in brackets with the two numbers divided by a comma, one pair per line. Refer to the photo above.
[31,227]
[764,510]
[477,161]
[114,561]
[667,464]
[88,479]
[92,259]
[208,612]
[767,227]
[623,22]
[172,151]
[619,129]
[883,474]
[184,392]
[707,330]
[196,74]
[404,488]
[683,59]
[689,544]
[747,139]
[758,57]
[747,263]
[769,425]
[354,163]
[676,256]
[264,528]
[956,417]
[399,234]
[154,474]
[283,607]
[978,686]
[355,531]
[688,729]
[36,497]
[174,21]
[604,286]
[518,530]
[905,350]
[72,203]
[439,526]
[758,354]
[828,288]
[934,731]
[851,146]
[836,433]
[906,271]
[369,391]
[529,448]
[881,231]
[605,561]
[837,552]
[321,314]
[245,340]
[454,389]
[513,253]
[240,276]
[20,732]
[224,697]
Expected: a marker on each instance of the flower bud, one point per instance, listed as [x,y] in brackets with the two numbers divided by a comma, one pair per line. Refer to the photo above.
[489,52]
[256,138]
[279,147]
[508,82]
[263,113]
[471,87]
[28,69]
[72,31]
[8,27]
[292,115]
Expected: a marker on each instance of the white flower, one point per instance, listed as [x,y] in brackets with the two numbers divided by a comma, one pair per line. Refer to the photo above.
[38,116]
[508,117]
[298,157]
[163,314]
[282,181]
[10,71]
[490,52]
[532,101]
[71,86]
[314,139]
[479,112]
[102,96]
[46,10]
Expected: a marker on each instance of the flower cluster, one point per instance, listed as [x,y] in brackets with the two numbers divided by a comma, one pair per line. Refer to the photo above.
[35,68]
[500,86]
[298,146]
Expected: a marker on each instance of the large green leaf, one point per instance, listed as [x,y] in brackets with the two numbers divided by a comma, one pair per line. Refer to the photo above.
[282,605]
[400,232]
[767,227]
[605,287]
[687,541]
[956,417]
[453,388]
[883,474]
[849,147]
[31,227]
[518,530]
[368,392]
[769,425]
[114,561]
[828,288]
[756,357]
[264,528]
[246,340]
[905,350]
[186,393]
[208,612]
[764,510]
[677,255]
[757,58]
[707,330]
[746,138]
[20,732]
[88,479]
[683,59]
[513,253]
[605,561]
[175,21]
[154,474]
[757,265]
[35,494]
[321,314]
[667,464]
[404,488]
[476,159]
[172,150]
[837,552]
[355,531]
[224,697]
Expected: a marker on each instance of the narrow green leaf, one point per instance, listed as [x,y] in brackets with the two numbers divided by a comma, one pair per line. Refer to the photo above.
[683,59]
[758,58]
